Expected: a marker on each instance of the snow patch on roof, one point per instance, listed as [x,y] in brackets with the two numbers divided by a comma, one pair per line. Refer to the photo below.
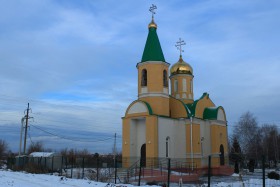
[42,154]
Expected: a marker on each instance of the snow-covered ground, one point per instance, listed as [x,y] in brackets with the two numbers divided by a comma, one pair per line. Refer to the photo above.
[21,179]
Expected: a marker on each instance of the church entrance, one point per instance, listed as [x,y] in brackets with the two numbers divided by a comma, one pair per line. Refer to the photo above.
[143,155]
[222,155]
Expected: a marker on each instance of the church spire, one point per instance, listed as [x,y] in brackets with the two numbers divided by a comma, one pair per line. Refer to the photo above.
[152,50]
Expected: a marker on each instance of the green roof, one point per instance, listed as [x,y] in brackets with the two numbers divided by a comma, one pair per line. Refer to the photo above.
[192,106]
[152,51]
[148,106]
[211,113]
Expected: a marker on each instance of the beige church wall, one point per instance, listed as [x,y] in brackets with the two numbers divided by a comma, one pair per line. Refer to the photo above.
[205,141]
[201,105]
[195,138]
[125,136]
[159,105]
[126,142]
[136,115]
[219,136]
[176,131]
[177,109]
[154,75]
[151,137]
[196,143]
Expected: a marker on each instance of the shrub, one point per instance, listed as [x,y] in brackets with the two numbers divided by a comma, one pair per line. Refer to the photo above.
[273,175]
[152,183]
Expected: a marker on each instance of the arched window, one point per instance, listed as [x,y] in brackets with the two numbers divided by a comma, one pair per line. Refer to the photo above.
[175,85]
[165,81]
[144,78]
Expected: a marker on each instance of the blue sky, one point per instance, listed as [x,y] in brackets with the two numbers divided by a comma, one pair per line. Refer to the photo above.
[74,62]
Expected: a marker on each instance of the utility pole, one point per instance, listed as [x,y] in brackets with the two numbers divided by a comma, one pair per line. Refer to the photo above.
[26,117]
[21,130]
[115,162]
[115,148]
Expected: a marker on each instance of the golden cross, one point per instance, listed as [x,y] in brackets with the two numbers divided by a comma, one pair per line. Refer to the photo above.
[179,45]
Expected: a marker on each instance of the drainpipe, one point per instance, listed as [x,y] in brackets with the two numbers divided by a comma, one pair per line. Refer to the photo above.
[191,142]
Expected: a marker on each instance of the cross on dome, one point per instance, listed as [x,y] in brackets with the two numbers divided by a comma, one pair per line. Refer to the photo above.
[152,10]
[179,45]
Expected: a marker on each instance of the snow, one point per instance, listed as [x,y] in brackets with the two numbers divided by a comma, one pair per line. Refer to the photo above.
[21,179]
[9,178]
[42,154]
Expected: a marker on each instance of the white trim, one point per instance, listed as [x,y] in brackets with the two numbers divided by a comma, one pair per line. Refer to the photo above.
[218,122]
[152,62]
[153,94]
[184,82]
[180,75]
[144,89]
[175,85]
[221,115]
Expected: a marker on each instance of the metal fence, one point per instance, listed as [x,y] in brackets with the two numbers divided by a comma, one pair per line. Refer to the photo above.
[104,169]
[110,170]
[91,167]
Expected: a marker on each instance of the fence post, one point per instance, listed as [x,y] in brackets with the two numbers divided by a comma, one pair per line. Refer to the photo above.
[115,171]
[61,165]
[139,180]
[72,165]
[263,169]
[169,171]
[83,165]
[209,170]
[97,172]
[52,162]
[46,163]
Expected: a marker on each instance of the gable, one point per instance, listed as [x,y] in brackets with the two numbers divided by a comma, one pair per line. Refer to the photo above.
[214,113]
[138,107]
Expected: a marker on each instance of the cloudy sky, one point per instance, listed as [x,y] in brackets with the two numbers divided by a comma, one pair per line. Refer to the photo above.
[74,62]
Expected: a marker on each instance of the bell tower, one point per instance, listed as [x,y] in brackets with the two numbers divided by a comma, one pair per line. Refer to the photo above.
[153,73]
[181,78]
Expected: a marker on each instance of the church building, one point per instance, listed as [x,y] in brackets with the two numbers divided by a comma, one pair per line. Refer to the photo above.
[165,121]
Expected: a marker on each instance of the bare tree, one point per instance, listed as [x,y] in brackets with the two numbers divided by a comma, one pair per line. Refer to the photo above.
[3,148]
[35,147]
[246,132]
[269,135]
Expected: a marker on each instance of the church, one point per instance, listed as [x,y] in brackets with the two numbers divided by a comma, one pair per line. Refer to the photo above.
[165,121]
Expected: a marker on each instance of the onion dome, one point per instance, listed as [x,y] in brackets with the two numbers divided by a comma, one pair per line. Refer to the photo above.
[152,24]
[181,67]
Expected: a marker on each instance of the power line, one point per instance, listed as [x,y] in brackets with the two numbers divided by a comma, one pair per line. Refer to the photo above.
[68,138]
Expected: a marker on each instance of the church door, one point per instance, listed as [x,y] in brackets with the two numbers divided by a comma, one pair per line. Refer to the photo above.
[222,155]
[143,155]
